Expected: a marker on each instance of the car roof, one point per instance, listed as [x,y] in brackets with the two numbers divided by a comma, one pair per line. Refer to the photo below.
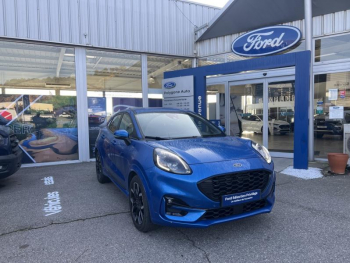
[150,110]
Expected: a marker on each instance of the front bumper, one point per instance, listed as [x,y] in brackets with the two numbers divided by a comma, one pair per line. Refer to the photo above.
[199,210]
[10,164]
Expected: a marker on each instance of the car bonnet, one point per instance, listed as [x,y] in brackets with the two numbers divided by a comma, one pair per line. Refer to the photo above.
[206,150]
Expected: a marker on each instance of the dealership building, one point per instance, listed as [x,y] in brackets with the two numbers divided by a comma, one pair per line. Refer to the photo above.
[67,66]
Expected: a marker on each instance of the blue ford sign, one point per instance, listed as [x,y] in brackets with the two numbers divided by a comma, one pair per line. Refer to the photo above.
[266,41]
[170,85]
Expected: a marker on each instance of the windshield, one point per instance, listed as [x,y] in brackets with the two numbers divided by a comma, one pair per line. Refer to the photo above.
[171,125]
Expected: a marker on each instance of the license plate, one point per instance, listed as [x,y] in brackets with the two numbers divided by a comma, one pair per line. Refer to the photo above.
[240,198]
[322,127]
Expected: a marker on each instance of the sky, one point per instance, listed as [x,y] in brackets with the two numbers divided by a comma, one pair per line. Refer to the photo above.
[218,3]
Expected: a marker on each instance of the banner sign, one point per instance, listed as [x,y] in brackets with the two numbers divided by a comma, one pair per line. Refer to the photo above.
[266,41]
[177,87]
[178,93]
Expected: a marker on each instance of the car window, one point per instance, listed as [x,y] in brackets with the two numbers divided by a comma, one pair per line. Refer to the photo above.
[253,118]
[113,124]
[127,124]
[175,125]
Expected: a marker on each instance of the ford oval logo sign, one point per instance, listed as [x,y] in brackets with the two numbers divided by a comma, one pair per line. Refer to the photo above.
[170,85]
[266,41]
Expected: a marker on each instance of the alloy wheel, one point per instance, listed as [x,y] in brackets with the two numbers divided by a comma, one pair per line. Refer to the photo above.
[137,205]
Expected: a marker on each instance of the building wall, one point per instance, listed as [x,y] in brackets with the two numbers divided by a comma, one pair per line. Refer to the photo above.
[154,26]
[322,25]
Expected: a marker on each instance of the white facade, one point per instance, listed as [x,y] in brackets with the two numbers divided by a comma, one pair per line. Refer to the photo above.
[150,26]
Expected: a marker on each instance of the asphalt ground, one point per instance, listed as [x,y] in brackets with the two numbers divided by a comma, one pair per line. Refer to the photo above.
[309,223]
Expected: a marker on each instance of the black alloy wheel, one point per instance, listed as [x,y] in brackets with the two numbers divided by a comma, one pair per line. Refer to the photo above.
[101,178]
[139,206]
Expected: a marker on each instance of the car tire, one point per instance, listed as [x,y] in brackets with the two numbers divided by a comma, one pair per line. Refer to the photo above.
[101,178]
[269,133]
[139,208]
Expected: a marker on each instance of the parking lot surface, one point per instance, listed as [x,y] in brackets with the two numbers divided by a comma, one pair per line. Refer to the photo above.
[75,219]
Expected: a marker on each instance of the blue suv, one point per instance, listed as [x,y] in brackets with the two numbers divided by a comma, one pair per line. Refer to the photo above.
[178,169]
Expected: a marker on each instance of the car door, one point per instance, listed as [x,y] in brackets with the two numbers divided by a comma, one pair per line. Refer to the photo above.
[251,123]
[108,137]
[254,122]
[123,152]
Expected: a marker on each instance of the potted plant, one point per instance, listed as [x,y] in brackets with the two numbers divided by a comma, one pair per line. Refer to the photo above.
[337,162]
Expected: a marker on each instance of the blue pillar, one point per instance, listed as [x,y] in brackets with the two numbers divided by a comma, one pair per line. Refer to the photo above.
[301,118]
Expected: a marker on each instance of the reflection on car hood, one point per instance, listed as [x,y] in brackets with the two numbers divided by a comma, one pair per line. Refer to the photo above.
[279,122]
[206,150]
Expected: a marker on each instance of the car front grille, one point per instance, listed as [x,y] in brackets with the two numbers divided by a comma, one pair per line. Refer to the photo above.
[233,210]
[284,127]
[217,186]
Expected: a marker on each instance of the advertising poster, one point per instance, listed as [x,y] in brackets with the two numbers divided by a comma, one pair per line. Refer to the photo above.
[97,111]
[319,108]
[46,126]
[336,112]
[333,94]
[342,94]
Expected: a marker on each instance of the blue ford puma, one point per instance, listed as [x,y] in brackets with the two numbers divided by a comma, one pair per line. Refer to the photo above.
[178,169]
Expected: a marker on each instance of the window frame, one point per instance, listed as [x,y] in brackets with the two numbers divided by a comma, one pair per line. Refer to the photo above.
[131,135]
[112,119]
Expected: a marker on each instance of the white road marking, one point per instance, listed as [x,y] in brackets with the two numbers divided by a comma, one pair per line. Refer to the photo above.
[53,204]
[48,180]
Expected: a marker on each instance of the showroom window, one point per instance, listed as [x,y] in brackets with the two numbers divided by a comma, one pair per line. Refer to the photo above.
[34,102]
[331,112]
[113,84]
[332,48]
[156,66]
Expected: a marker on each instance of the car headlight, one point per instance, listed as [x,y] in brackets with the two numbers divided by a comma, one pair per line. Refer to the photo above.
[170,162]
[263,151]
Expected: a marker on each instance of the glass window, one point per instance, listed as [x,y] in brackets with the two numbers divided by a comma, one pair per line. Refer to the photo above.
[156,66]
[114,84]
[33,102]
[213,60]
[332,94]
[332,48]
[113,124]
[127,124]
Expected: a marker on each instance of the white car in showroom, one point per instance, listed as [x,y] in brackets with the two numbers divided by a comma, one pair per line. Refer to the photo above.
[254,123]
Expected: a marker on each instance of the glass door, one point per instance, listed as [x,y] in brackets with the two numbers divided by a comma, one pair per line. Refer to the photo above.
[281,101]
[263,111]
[246,110]
[216,104]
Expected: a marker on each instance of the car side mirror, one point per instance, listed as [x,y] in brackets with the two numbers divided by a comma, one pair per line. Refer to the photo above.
[122,135]
[222,128]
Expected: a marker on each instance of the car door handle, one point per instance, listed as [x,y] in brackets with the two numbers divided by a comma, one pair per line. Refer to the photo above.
[103,136]
[114,142]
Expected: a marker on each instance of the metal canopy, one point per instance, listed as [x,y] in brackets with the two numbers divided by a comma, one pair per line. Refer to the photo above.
[245,15]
